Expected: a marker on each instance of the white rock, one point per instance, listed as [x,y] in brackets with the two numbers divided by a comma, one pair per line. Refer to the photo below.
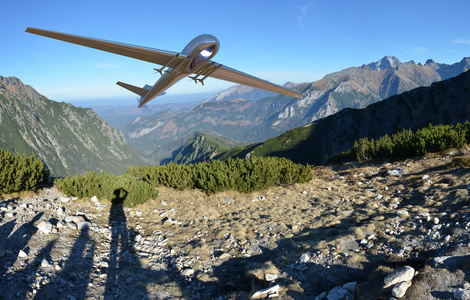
[45,227]
[65,199]
[399,290]
[339,293]
[61,212]
[45,263]
[425,177]
[94,199]
[69,219]
[403,213]
[270,277]
[188,272]
[104,264]
[77,219]
[304,258]
[83,225]
[268,292]
[462,294]
[405,273]
[396,172]
[22,254]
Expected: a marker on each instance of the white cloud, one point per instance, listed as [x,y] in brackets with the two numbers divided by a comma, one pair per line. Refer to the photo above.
[418,50]
[303,14]
[462,41]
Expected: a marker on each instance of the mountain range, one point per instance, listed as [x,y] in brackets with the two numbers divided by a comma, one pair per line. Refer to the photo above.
[332,113]
[67,139]
[444,102]
[228,114]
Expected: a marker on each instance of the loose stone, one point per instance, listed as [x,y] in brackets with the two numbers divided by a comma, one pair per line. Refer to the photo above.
[405,273]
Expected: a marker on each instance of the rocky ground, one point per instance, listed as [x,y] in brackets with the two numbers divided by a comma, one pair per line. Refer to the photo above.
[365,231]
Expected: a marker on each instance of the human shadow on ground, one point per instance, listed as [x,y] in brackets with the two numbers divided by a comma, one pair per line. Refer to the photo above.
[12,243]
[23,286]
[125,274]
[75,276]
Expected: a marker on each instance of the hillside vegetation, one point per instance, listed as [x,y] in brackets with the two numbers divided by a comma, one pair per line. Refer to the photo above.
[66,138]
[446,102]
[20,173]
[408,144]
[140,183]
[267,117]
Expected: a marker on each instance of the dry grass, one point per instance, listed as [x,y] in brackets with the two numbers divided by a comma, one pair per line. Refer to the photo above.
[326,213]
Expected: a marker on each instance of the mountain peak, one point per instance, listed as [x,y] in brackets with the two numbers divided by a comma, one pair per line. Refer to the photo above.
[239,91]
[290,84]
[385,63]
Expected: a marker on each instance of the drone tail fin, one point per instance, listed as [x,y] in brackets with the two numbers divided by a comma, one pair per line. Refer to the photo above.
[135,89]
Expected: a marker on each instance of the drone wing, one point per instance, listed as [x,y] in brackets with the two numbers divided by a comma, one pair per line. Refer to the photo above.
[156,56]
[232,75]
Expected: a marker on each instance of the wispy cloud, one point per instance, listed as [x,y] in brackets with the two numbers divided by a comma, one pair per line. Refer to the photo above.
[418,50]
[462,41]
[303,14]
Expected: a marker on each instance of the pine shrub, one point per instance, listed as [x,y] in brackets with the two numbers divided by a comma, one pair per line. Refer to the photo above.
[131,190]
[233,174]
[406,144]
[88,185]
[21,173]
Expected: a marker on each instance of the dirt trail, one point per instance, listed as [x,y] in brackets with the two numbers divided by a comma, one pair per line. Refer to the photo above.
[354,223]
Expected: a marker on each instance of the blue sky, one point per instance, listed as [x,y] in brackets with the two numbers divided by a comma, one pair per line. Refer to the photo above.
[276,40]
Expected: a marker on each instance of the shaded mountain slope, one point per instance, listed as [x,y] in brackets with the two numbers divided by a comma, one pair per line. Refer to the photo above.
[204,147]
[445,102]
[68,139]
[257,121]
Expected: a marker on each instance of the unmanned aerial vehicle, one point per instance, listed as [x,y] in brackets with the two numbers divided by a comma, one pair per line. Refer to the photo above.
[193,60]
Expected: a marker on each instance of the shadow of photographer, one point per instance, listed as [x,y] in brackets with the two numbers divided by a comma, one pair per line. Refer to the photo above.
[125,274]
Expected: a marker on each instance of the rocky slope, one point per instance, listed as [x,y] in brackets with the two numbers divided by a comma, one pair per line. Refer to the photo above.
[256,121]
[68,139]
[371,231]
[244,92]
[203,147]
[444,102]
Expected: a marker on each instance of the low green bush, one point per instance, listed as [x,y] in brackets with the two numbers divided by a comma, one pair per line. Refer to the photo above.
[233,174]
[406,144]
[21,173]
[124,188]
[139,184]
[132,191]
[88,185]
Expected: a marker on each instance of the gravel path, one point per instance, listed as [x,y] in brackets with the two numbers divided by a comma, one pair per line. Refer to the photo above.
[343,232]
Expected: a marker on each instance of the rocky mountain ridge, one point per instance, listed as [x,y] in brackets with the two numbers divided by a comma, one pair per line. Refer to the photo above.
[259,120]
[68,139]
[204,147]
[444,102]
